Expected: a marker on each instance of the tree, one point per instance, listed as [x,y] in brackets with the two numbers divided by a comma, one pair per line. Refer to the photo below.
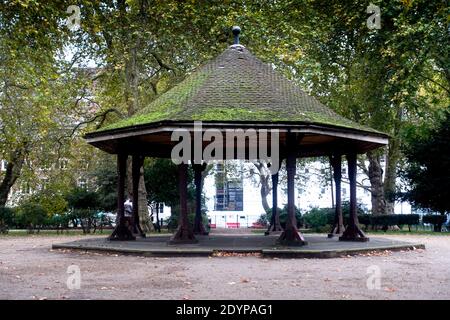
[428,168]
[32,215]
[376,77]
[37,90]
[161,176]
[83,205]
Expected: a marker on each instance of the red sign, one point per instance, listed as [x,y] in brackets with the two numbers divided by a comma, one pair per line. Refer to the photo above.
[233,225]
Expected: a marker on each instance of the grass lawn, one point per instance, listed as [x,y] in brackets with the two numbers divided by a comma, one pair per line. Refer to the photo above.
[69,232]
[404,231]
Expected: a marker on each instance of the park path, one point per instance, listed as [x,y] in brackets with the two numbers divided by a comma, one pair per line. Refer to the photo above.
[29,269]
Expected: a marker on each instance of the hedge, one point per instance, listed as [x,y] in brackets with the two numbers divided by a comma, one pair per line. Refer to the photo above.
[436,220]
[318,218]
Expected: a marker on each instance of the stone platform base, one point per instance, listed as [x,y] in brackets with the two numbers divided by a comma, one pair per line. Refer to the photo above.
[319,246]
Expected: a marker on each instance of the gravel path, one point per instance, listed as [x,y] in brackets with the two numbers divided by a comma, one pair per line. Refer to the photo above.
[29,269]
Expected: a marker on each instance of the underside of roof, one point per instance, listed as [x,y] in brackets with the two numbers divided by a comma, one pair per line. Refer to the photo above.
[155,140]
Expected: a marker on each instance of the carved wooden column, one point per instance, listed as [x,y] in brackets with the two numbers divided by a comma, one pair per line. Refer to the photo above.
[122,230]
[352,231]
[291,235]
[199,228]
[136,163]
[338,226]
[184,233]
[275,219]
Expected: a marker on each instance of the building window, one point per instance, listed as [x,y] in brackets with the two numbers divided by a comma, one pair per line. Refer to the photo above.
[229,195]
[44,182]
[344,191]
[82,183]
[4,164]
[25,188]
[63,163]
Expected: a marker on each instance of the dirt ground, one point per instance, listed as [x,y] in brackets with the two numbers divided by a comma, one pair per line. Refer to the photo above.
[29,269]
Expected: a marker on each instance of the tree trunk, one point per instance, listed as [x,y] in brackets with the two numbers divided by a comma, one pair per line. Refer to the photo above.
[144,217]
[264,175]
[391,174]
[376,182]
[13,170]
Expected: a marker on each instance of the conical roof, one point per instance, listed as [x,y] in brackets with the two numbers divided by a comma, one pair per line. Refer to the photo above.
[236,90]
[236,87]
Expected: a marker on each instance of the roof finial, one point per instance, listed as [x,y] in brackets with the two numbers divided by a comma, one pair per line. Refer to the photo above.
[236,30]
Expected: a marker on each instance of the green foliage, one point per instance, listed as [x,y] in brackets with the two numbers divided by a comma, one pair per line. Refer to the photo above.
[385,220]
[79,198]
[365,220]
[436,220]
[318,217]
[391,79]
[84,208]
[104,175]
[283,217]
[161,183]
[408,219]
[6,219]
[428,168]
[32,215]
[51,200]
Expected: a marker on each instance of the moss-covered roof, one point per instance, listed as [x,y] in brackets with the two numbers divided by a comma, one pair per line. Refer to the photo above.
[236,87]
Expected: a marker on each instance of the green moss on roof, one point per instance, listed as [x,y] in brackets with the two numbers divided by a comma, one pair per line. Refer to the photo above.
[165,107]
[236,87]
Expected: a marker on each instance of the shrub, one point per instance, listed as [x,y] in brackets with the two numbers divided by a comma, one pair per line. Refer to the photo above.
[384,221]
[283,217]
[365,219]
[436,220]
[32,216]
[58,222]
[6,219]
[408,219]
[264,219]
[317,218]
[83,208]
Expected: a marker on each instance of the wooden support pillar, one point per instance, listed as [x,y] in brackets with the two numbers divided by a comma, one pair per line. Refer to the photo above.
[291,236]
[122,230]
[199,228]
[136,164]
[352,231]
[184,233]
[275,225]
[338,226]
